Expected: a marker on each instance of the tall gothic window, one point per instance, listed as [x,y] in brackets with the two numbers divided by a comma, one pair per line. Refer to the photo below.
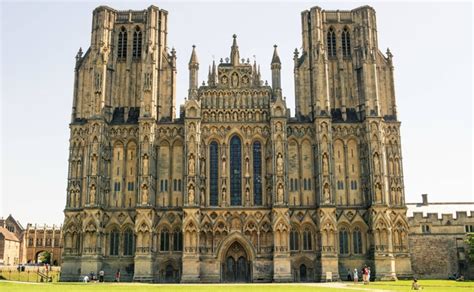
[257,173]
[343,242]
[213,173]
[122,44]
[294,242]
[307,242]
[331,42]
[346,43]
[357,240]
[137,43]
[235,171]
[128,242]
[177,240]
[164,240]
[114,242]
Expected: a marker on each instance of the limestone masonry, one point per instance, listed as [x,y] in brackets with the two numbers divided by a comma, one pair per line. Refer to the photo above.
[234,189]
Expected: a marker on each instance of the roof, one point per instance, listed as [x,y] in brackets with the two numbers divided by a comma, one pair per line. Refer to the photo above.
[440,208]
[8,235]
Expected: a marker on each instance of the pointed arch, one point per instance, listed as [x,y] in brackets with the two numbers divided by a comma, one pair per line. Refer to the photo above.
[346,42]
[331,42]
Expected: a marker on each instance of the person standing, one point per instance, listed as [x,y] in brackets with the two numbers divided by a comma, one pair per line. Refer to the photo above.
[368,275]
[349,275]
[101,276]
[117,276]
[356,276]
[364,275]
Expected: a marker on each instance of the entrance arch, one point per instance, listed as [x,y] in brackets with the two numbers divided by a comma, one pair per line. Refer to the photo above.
[236,264]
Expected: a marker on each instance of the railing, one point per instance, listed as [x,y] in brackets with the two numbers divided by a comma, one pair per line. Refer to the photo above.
[142,249]
[92,250]
[71,251]
[400,248]
[31,274]
[381,248]
[328,248]
[190,249]
[281,248]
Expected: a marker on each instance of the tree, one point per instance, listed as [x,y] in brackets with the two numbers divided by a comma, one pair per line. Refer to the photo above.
[470,246]
[45,257]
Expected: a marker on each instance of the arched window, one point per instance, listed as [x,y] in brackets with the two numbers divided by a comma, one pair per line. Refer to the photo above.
[114,242]
[357,241]
[307,240]
[177,240]
[122,44]
[343,242]
[257,173]
[346,43]
[235,171]
[137,43]
[213,173]
[331,42]
[294,242]
[164,240]
[128,242]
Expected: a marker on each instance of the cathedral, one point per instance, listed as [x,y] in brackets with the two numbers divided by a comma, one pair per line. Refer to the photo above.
[233,188]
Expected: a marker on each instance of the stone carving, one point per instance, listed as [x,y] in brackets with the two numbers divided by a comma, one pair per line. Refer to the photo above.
[144,195]
[326,194]
[191,195]
[223,166]
[94,165]
[279,164]
[325,164]
[92,195]
[147,82]
[98,82]
[280,193]
[191,165]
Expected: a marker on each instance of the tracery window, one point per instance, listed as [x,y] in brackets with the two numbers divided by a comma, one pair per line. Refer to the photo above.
[114,242]
[128,242]
[294,242]
[257,173]
[213,173]
[346,43]
[177,240]
[122,44]
[357,241]
[331,42]
[137,43]
[235,171]
[164,240]
[343,242]
[307,240]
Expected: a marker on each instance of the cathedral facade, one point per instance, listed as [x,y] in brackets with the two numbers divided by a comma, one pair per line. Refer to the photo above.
[235,189]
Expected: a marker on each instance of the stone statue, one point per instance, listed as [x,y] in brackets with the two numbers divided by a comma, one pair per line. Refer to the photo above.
[92,195]
[191,195]
[191,165]
[378,193]
[327,198]
[325,164]
[280,193]
[279,164]
[247,195]
[224,197]
[203,167]
[144,195]
[145,164]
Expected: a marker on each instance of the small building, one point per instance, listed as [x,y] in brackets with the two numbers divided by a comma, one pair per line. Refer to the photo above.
[9,248]
[437,233]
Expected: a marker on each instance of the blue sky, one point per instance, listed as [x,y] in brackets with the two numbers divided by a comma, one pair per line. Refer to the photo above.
[431,44]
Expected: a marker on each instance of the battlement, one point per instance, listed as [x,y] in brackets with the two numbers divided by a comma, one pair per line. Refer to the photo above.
[341,15]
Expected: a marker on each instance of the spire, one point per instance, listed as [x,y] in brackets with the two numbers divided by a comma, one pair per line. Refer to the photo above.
[275,58]
[193,74]
[234,52]
[194,59]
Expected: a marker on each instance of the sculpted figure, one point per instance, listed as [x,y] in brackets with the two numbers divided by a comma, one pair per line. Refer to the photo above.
[223,166]
[92,195]
[145,194]
[325,164]
[326,194]
[145,164]
[280,193]
[191,165]
[94,164]
[191,195]
[279,164]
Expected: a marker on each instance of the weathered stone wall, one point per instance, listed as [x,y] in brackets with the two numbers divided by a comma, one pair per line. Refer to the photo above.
[433,255]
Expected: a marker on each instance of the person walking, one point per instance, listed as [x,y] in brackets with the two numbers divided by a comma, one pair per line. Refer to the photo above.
[368,275]
[356,276]
[349,275]
[101,276]
[364,275]
[117,276]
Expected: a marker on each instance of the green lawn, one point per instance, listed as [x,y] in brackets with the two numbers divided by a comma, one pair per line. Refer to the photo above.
[428,285]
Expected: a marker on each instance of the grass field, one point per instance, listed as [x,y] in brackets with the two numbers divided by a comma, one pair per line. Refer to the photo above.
[428,285]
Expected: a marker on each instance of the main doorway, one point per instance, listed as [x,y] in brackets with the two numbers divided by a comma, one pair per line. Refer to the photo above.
[236,266]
